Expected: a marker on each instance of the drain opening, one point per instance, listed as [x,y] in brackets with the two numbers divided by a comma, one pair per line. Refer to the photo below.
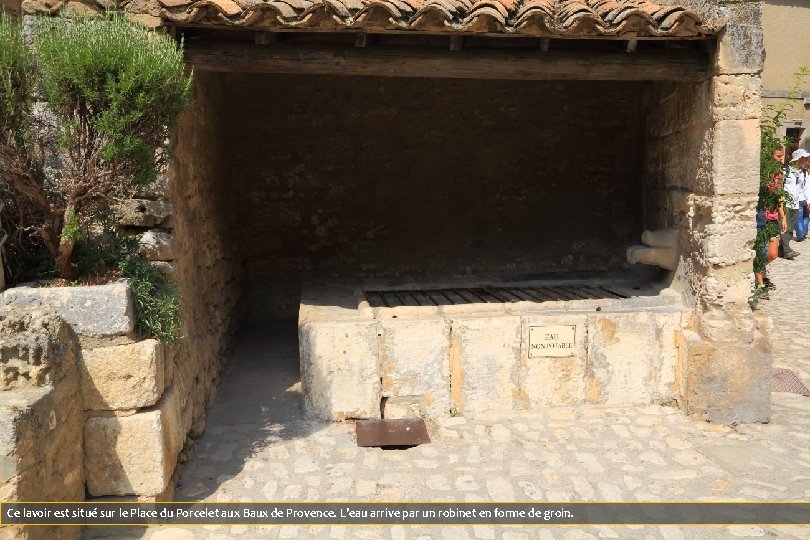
[786,381]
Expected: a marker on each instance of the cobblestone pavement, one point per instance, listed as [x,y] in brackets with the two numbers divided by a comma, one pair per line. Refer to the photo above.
[258,447]
[789,307]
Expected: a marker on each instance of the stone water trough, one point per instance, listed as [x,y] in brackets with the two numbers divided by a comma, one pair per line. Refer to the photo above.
[476,348]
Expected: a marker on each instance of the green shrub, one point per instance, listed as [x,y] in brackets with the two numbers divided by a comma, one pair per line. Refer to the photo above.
[769,197]
[19,167]
[16,84]
[114,92]
[117,87]
[157,303]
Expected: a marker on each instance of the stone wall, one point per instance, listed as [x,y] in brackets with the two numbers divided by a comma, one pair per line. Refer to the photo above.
[149,216]
[703,157]
[41,419]
[199,186]
[129,408]
[364,177]
[90,408]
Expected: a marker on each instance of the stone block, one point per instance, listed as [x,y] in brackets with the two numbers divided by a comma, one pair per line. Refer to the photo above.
[41,452]
[621,351]
[127,376]
[727,323]
[723,245]
[134,455]
[740,46]
[722,228]
[728,383]
[415,361]
[735,157]
[405,407]
[158,246]
[736,97]
[667,360]
[156,190]
[722,286]
[484,364]
[555,380]
[143,212]
[340,376]
[37,348]
[98,311]
[167,268]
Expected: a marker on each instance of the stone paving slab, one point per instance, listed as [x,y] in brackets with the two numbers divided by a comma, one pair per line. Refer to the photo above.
[258,447]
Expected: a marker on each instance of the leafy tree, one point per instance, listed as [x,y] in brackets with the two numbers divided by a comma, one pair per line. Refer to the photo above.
[114,91]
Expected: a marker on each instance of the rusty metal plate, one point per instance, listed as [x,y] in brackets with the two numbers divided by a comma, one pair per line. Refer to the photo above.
[404,432]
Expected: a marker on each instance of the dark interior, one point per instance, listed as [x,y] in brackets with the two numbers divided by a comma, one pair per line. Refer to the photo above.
[346,178]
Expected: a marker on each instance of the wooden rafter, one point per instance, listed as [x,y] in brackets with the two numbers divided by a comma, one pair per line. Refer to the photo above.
[224,56]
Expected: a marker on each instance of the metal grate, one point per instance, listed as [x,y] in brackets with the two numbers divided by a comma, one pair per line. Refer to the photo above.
[486,294]
[785,380]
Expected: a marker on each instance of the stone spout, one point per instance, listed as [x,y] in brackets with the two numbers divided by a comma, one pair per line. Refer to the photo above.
[660,249]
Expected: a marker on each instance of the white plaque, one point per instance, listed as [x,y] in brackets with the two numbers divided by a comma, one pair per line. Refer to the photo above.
[551,341]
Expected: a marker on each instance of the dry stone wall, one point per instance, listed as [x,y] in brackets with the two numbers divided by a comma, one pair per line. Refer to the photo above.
[148,216]
[41,454]
[206,268]
[127,416]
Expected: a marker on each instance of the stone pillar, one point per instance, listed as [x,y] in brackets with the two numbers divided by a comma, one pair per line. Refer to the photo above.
[728,373]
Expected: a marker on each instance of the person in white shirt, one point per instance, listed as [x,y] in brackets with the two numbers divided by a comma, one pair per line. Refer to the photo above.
[803,220]
[796,185]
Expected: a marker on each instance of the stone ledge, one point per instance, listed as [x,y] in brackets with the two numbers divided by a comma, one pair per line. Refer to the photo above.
[98,311]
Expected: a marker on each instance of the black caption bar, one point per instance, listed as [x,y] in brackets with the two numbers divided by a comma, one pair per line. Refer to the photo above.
[276,513]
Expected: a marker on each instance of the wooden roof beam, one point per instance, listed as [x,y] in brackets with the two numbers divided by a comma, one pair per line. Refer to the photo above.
[284,57]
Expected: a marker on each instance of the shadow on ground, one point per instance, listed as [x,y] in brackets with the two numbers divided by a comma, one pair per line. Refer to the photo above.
[258,405]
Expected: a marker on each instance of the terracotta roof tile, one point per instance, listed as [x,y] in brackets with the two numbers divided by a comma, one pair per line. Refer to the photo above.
[552,18]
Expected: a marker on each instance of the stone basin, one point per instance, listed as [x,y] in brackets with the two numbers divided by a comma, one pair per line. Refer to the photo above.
[447,359]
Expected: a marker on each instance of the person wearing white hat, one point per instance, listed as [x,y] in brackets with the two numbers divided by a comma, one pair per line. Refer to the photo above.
[803,220]
[796,185]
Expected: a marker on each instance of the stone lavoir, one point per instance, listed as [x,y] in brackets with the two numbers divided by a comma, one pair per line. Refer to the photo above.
[430,189]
